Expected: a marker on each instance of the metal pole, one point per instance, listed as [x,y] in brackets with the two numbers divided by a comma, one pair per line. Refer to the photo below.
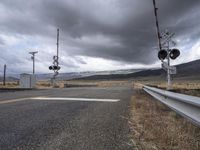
[33,63]
[168,70]
[55,60]
[157,25]
[57,43]
[33,58]
[4,75]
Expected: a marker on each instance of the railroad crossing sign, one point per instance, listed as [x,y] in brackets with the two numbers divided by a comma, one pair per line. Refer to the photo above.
[172,69]
[166,37]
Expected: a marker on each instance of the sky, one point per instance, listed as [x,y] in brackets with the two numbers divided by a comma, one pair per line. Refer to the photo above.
[95,35]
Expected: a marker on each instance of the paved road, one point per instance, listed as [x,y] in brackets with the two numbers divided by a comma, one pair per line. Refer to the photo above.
[69,125]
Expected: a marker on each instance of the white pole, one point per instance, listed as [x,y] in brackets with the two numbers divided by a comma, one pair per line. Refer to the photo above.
[168,70]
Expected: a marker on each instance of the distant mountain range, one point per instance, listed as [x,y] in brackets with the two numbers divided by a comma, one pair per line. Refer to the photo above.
[71,75]
[10,79]
[77,75]
[186,70]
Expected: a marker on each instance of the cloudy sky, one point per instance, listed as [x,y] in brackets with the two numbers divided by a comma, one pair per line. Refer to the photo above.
[94,34]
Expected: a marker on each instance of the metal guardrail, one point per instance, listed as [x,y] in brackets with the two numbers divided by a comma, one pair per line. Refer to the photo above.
[185,105]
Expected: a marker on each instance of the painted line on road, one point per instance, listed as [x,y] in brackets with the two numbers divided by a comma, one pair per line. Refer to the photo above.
[75,99]
[15,100]
[58,99]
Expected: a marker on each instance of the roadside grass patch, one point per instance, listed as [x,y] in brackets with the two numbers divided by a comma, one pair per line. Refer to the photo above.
[156,127]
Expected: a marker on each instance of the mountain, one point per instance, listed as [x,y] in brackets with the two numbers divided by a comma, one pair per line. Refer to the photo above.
[189,69]
[185,70]
[10,79]
[74,75]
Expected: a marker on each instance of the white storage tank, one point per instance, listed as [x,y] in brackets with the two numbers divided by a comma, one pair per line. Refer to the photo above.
[27,80]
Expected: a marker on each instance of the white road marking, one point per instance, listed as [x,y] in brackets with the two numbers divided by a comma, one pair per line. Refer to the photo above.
[15,100]
[12,100]
[75,99]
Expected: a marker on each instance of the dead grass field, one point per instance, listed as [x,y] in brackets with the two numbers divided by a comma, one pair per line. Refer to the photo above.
[60,84]
[43,84]
[156,127]
[190,87]
[108,83]
[9,85]
[176,83]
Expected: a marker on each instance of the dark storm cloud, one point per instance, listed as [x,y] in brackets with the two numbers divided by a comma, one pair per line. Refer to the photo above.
[126,28]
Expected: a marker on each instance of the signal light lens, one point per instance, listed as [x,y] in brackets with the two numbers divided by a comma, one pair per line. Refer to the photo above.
[174,53]
[162,54]
[50,67]
[54,67]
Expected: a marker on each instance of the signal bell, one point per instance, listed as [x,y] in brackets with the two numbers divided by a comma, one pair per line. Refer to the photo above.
[174,53]
[162,54]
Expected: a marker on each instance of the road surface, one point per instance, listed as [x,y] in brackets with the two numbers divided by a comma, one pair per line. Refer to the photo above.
[96,119]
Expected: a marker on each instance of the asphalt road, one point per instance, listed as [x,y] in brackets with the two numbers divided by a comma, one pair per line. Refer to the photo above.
[26,123]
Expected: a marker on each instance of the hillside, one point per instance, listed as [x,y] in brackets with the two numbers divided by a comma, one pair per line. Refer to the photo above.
[187,70]
[10,79]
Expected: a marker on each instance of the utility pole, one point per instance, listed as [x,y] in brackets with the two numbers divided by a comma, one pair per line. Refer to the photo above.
[4,75]
[33,58]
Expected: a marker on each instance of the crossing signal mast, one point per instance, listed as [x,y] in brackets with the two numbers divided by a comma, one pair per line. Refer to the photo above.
[164,43]
[55,67]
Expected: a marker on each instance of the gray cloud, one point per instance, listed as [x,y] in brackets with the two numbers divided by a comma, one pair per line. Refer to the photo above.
[116,30]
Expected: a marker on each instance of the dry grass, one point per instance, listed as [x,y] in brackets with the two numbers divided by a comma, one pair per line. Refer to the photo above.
[43,84]
[190,87]
[185,85]
[9,85]
[155,127]
[108,83]
[60,84]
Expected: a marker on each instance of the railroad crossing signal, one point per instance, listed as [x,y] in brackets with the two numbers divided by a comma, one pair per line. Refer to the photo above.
[55,67]
[164,41]
[173,54]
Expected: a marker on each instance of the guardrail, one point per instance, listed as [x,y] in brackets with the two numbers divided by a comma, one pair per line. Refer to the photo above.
[185,105]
